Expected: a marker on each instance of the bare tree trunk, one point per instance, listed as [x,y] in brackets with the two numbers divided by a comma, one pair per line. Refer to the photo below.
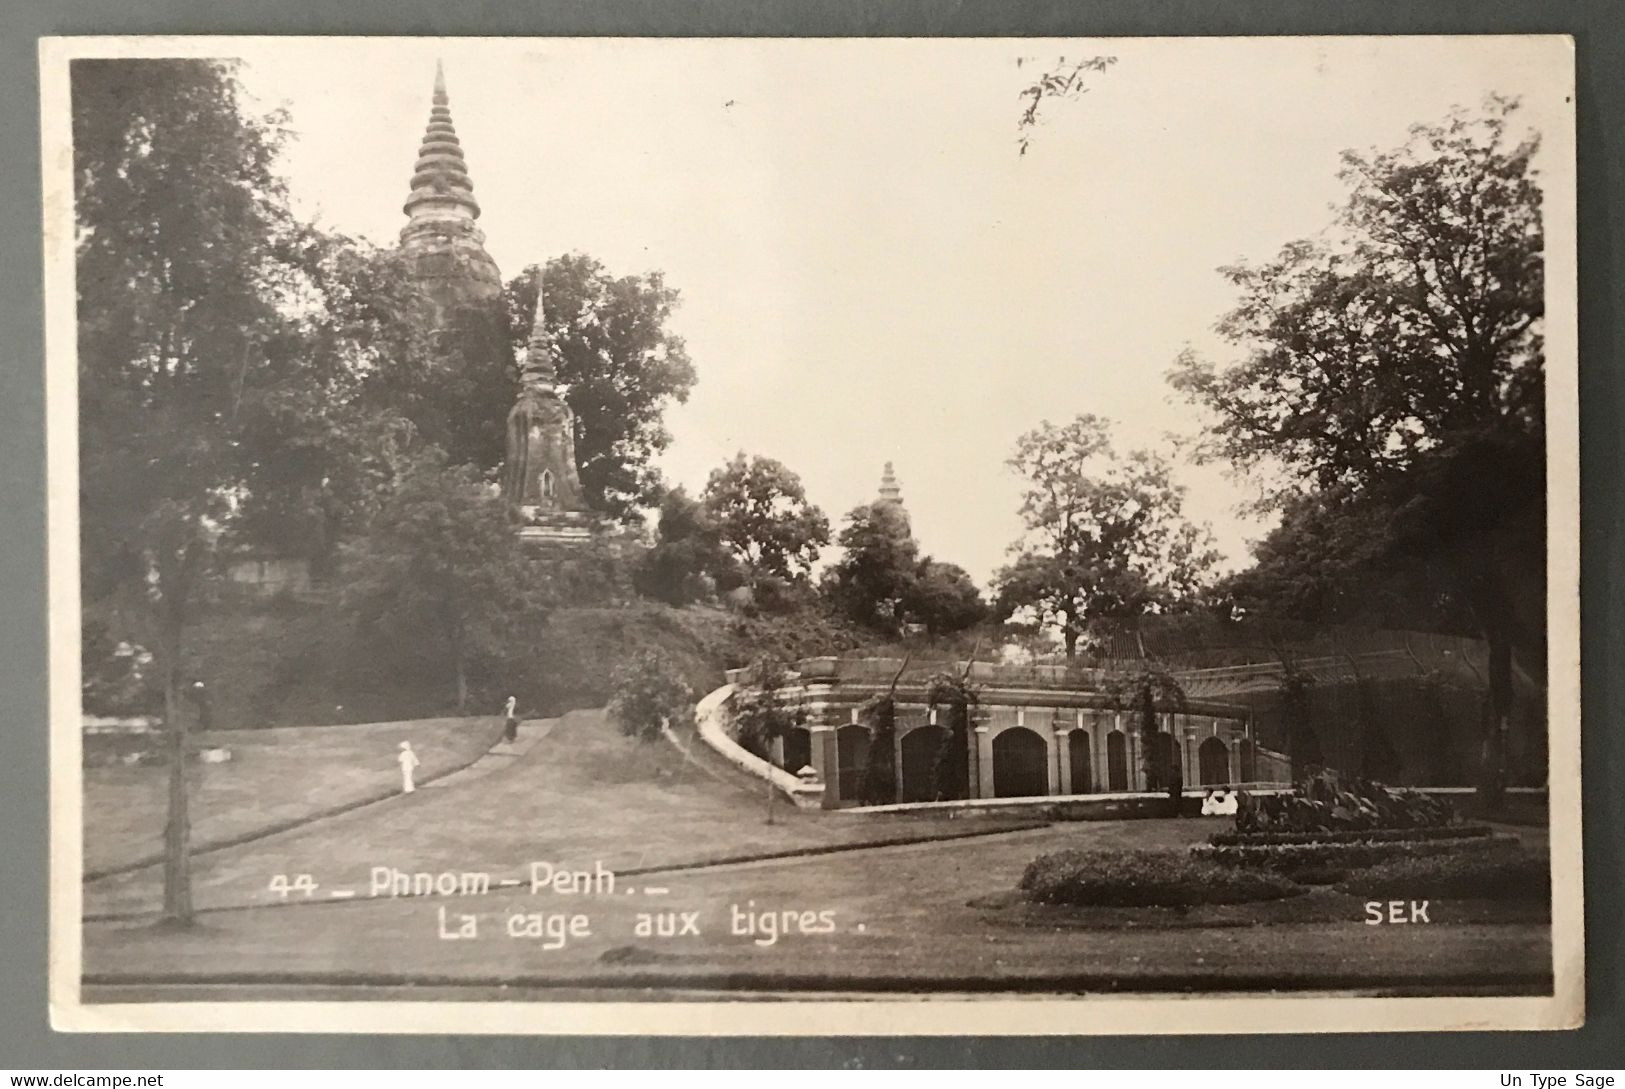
[178,832]
[1493,760]
[461,668]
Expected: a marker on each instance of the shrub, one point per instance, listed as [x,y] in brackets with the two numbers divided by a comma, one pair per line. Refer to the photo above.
[1144,879]
[1294,858]
[763,711]
[1507,873]
[650,692]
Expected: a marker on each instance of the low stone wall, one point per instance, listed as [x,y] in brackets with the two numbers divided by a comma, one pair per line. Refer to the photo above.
[711,720]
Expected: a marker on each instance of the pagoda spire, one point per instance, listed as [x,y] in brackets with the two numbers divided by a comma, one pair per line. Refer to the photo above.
[441,188]
[538,369]
[889,491]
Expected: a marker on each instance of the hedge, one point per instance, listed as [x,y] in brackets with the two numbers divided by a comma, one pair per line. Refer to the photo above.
[1494,875]
[1290,858]
[1145,879]
[1357,835]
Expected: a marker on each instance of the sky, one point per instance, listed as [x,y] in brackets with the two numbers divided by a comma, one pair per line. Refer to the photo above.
[868,269]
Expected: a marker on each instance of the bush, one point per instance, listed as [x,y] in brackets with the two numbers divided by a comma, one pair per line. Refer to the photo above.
[1295,858]
[1508,873]
[649,693]
[1144,879]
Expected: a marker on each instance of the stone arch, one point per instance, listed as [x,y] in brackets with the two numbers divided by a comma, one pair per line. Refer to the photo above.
[851,758]
[916,775]
[1117,761]
[1213,762]
[549,486]
[1020,763]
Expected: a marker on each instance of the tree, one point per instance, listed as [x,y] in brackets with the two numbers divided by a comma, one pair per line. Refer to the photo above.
[325,428]
[957,697]
[1105,533]
[1066,79]
[443,566]
[620,365]
[1399,360]
[765,518]
[943,598]
[1144,690]
[764,711]
[177,211]
[650,696]
[1334,558]
[877,570]
[689,559]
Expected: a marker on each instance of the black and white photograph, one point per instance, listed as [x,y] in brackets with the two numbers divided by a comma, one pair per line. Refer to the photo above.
[783,536]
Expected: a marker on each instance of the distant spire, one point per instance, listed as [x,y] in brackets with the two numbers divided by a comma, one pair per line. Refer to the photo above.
[889,491]
[441,187]
[538,369]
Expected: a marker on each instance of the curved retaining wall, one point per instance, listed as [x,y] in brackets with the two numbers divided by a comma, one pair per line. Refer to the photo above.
[711,720]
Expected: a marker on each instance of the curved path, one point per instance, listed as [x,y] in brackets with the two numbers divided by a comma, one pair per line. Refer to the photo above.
[574,791]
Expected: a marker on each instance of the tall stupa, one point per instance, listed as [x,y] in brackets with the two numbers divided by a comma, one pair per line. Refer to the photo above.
[442,244]
[540,478]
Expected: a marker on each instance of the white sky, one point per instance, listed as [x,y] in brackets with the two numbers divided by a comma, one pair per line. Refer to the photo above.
[868,269]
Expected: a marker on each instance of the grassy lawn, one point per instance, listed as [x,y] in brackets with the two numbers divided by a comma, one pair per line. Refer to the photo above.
[920,911]
[926,912]
[583,794]
[274,776]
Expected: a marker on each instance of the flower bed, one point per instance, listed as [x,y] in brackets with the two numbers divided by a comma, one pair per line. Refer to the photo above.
[1328,803]
[1145,879]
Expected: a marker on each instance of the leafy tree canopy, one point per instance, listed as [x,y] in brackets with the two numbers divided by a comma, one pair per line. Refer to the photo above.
[621,366]
[765,517]
[1414,321]
[443,564]
[877,568]
[1105,533]
[689,560]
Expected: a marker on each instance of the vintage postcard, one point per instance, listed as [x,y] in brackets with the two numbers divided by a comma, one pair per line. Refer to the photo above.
[764,536]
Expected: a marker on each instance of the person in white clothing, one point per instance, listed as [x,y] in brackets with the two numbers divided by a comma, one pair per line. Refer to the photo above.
[409,764]
[510,728]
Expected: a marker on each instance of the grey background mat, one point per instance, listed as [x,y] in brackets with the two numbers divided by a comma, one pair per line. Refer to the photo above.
[26,1041]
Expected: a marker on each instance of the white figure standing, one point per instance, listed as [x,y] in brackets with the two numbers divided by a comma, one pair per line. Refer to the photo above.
[510,727]
[409,764]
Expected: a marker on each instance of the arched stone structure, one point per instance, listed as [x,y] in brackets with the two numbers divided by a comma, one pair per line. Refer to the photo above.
[1020,763]
[1213,762]
[852,757]
[916,772]
[1116,761]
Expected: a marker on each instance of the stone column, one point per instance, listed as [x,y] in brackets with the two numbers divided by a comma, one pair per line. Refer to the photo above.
[1131,752]
[826,761]
[1063,760]
[984,761]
